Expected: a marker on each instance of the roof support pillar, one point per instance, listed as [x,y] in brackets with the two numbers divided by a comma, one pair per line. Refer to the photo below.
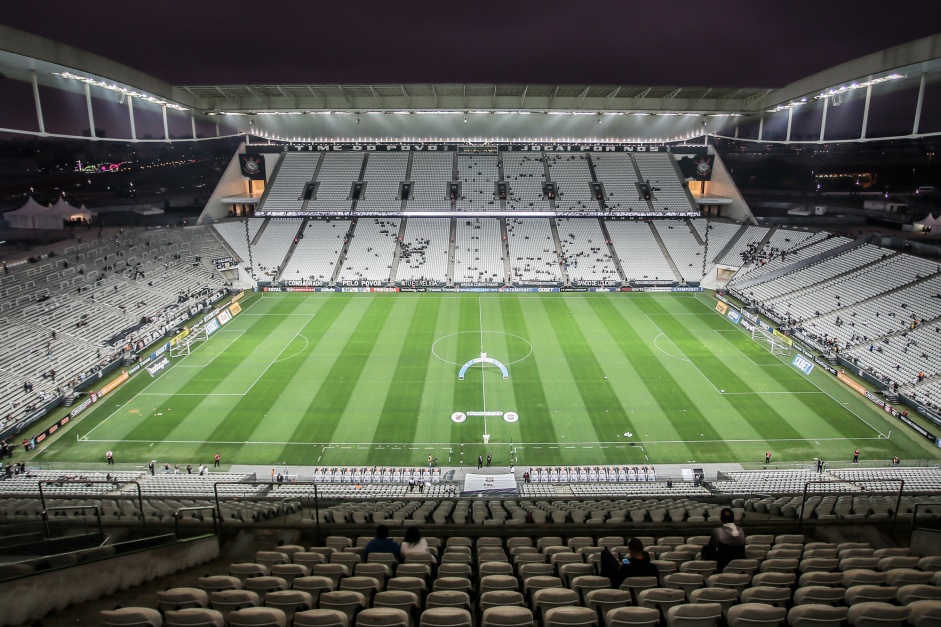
[921,97]
[130,115]
[166,127]
[42,123]
[91,115]
[790,118]
[761,126]
[862,132]
[193,123]
[823,119]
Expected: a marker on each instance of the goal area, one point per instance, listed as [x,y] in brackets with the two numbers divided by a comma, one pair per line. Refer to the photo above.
[184,346]
[777,345]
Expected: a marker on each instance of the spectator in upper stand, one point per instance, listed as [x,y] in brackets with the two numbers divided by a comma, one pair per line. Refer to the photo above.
[382,543]
[726,543]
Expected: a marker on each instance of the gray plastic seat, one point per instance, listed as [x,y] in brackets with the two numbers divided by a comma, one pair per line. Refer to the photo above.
[181,599]
[193,617]
[382,617]
[130,617]
[924,613]
[446,617]
[632,617]
[877,615]
[290,601]
[507,617]
[570,617]
[321,618]
[694,615]
[816,616]
[257,617]
[756,615]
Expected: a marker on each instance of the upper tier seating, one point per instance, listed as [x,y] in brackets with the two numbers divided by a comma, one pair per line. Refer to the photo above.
[478,175]
[383,174]
[338,172]
[525,174]
[616,172]
[431,174]
[287,186]
[573,178]
[660,170]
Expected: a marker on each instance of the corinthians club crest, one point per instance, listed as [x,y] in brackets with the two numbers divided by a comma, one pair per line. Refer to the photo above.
[703,165]
[253,166]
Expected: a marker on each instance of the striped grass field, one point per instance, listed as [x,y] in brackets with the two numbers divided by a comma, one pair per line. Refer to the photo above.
[349,379]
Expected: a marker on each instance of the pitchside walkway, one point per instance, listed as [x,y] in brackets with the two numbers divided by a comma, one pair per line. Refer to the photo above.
[677,472]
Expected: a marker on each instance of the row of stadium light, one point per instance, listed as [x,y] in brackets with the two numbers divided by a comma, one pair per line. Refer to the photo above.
[274,137]
[837,91]
[124,91]
[477,112]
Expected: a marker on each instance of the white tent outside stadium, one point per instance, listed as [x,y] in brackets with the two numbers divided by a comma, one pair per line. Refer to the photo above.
[68,213]
[31,215]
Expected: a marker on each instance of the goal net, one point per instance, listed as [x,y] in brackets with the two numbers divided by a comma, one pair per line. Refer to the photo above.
[777,345]
[184,346]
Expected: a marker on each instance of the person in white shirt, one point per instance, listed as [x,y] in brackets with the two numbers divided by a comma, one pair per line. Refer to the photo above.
[413,543]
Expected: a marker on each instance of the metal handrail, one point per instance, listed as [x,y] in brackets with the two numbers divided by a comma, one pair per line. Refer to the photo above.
[45,516]
[178,515]
[140,494]
[895,513]
[215,489]
[915,513]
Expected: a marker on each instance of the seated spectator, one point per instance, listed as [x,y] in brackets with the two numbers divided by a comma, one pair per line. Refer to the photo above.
[382,543]
[726,543]
[413,544]
[635,564]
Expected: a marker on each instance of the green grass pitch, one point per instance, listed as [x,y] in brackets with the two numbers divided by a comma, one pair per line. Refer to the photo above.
[352,379]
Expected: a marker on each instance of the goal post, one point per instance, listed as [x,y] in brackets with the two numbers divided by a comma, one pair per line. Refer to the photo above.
[184,346]
[776,345]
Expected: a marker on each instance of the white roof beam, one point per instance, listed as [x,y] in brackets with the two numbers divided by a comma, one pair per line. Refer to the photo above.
[610,97]
[581,97]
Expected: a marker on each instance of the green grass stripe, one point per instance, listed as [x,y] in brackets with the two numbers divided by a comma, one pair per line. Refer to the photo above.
[324,411]
[763,418]
[536,423]
[205,380]
[673,401]
[468,394]
[815,404]
[601,403]
[398,419]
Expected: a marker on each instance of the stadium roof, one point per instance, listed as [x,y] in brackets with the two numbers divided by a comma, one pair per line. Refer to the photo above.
[27,57]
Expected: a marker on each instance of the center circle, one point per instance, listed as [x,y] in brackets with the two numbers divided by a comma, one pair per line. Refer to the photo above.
[445,348]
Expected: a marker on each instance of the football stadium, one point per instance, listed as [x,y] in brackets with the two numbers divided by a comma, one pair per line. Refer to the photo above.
[599,352]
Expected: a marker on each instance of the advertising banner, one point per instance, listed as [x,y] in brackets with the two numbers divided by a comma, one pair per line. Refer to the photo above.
[802,363]
[722,308]
[845,379]
[121,378]
[782,337]
[158,365]
[733,315]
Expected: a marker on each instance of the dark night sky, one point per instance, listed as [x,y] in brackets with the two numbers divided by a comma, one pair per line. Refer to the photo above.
[749,43]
